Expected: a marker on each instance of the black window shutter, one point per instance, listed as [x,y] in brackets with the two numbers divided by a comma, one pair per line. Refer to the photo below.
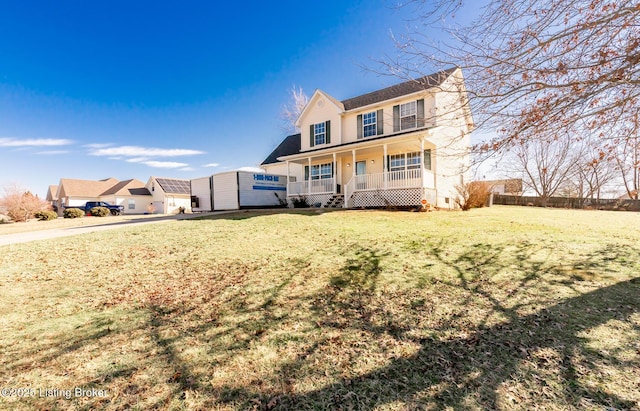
[420,107]
[311,136]
[380,121]
[306,173]
[396,118]
[427,159]
[327,130]
[359,121]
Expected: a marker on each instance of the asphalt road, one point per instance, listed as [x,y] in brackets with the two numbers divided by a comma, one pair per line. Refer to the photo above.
[8,239]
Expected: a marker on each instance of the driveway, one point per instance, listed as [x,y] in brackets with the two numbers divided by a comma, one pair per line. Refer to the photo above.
[8,239]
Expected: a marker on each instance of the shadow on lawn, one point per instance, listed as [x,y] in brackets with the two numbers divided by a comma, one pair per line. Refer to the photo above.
[465,371]
[460,372]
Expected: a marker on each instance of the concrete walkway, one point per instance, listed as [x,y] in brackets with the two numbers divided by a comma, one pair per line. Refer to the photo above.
[8,239]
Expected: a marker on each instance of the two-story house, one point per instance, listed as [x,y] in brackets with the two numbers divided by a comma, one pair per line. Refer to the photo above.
[399,146]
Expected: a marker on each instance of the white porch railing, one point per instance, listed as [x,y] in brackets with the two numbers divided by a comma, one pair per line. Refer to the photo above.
[325,185]
[412,178]
[392,179]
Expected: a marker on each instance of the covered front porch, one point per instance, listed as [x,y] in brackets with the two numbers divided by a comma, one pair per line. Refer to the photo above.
[344,177]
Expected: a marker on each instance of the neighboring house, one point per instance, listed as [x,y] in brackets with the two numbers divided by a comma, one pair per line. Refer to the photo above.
[52,196]
[398,146]
[132,194]
[169,194]
[511,186]
[73,192]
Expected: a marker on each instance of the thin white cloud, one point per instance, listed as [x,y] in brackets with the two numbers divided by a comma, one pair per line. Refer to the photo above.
[212,165]
[34,142]
[164,164]
[98,145]
[137,159]
[136,151]
[52,152]
[187,169]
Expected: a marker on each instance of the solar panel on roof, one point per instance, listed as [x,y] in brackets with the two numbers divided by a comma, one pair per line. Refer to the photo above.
[174,186]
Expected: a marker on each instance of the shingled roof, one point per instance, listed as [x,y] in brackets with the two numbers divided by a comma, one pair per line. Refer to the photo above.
[398,90]
[70,187]
[128,187]
[290,145]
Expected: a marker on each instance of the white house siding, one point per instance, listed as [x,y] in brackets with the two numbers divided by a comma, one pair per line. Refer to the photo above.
[324,109]
[174,202]
[350,120]
[140,203]
[225,195]
[453,167]
[295,170]
[203,190]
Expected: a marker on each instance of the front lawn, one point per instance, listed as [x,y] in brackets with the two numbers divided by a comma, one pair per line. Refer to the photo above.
[501,308]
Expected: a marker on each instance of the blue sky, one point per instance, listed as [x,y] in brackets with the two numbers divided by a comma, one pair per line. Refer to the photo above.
[130,89]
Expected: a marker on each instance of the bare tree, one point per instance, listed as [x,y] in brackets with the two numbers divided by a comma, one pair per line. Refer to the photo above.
[627,159]
[546,165]
[19,204]
[535,69]
[291,111]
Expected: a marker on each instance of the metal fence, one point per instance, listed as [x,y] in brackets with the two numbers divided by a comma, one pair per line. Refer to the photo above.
[569,202]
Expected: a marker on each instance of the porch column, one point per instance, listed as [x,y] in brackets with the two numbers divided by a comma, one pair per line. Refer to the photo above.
[309,180]
[353,163]
[385,165]
[288,177]
[335,174]
[422,171]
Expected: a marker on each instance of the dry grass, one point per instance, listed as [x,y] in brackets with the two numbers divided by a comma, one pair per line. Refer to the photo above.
[500,308]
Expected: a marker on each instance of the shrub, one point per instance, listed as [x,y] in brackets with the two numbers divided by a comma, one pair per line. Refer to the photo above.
[299,202]
[472,195]
[19,204]
[99,211]
[46,215]
[73,213]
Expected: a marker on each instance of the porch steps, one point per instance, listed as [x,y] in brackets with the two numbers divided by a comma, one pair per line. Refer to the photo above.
[336,201]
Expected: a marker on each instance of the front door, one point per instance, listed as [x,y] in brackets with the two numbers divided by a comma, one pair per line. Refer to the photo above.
[361,170]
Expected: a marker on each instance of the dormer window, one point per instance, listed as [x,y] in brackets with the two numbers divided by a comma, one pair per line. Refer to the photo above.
[320,133]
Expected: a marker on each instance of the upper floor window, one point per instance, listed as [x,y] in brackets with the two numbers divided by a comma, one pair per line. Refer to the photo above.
[408,115]
[369,124]
[320,133]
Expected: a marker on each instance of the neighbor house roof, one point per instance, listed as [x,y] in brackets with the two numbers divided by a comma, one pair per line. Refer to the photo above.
[132,187]
[52,193]
[398,90]
[70,187]
[290,145]
[174,185]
